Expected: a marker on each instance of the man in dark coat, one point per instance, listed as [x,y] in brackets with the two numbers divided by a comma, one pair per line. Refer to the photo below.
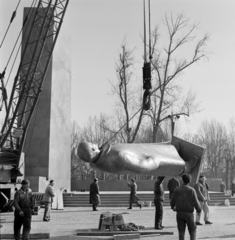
[158,201]
[233,187]
[183,201]
[173,183]
[23,203]
[133,194]
[222,186]
[94,194]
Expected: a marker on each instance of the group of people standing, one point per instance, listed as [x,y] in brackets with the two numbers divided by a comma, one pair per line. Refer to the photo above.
[184,200]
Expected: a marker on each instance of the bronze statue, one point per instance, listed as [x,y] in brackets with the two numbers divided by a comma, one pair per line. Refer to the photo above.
[167,159]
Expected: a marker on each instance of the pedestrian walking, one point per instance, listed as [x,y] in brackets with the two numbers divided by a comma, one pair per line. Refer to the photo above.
[133,194]
[183,201]
[222,186]
[23,204]
[94,194]
[48,200]
[203,197]
[158,201]
[172,184]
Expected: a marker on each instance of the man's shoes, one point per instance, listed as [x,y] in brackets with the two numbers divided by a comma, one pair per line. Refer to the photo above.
[158,228]
[129,208]
[140,206]
[46,220]
[162,226]
[208,222]
[95,210]
[198,223]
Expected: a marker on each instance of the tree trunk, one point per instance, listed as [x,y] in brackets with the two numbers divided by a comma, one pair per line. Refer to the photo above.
[155,128]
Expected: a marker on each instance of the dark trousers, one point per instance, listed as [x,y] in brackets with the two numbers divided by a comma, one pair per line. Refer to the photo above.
[158,212]
[47,211]
[183,219]
[138,204]
[25,221]
[94,206]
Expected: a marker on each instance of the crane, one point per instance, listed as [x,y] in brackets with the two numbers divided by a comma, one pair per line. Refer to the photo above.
[40,36]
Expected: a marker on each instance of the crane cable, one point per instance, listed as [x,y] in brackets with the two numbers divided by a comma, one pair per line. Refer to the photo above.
[12,18]
[147,93]
[147,65]
[2,75]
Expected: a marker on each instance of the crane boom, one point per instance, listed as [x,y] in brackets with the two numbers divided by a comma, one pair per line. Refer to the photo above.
[46,23]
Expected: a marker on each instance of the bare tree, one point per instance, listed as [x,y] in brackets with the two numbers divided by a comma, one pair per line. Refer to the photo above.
[230,153]
[77,166]
[213,137]
[128,104]
[167,68]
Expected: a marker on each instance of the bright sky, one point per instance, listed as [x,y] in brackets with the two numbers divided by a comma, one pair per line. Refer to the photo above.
[97,29]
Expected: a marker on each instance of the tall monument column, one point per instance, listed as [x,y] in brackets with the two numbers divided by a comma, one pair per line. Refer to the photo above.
[47,143]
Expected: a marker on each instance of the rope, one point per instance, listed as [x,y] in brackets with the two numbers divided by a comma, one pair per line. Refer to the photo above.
[120,129]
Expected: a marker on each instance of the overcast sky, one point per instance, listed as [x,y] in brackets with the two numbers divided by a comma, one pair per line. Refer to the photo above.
[97,29]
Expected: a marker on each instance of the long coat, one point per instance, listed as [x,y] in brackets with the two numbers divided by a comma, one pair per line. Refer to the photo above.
[173,183]
[133,195]
[94,193]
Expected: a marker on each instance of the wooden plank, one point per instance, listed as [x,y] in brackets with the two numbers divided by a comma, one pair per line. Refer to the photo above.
[111,233]
[126,236]
[40,236]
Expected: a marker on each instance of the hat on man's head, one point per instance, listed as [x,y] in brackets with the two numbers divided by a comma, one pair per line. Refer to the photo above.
[95,179]
[201,176]
[25,181]
[186,178]
[133,180]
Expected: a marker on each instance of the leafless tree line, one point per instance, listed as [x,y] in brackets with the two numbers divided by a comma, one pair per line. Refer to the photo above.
[219,143]
[176,51]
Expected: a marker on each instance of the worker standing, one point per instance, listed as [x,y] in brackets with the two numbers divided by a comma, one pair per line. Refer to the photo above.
[23,203]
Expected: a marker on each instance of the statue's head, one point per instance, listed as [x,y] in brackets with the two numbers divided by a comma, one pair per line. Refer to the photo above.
[87,151]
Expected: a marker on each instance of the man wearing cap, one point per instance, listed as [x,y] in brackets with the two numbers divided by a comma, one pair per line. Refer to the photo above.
[158,201]
[94,194]
[203,197]
[183,201]
[48,200]
[23,203]
[133,194]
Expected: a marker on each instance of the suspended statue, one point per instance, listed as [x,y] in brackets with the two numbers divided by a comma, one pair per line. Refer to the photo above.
[159,159]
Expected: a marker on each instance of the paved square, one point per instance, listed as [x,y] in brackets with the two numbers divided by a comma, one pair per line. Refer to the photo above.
[64,223]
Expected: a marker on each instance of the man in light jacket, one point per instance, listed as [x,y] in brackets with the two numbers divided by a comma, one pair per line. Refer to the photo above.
[48,199]
[203,197]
